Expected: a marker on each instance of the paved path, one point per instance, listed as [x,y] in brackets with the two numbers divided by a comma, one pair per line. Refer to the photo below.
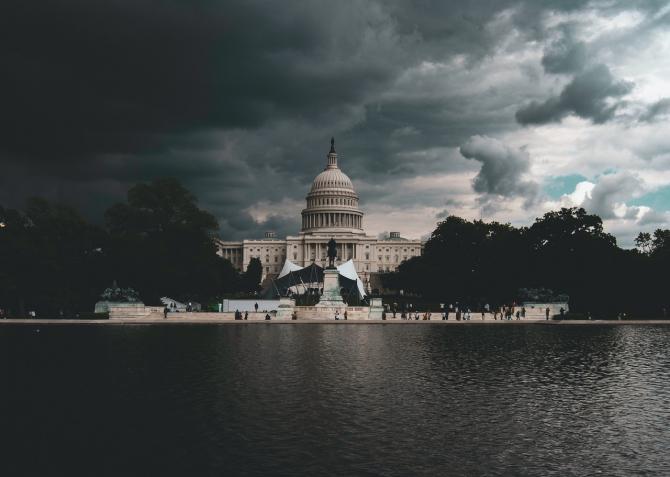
[210,321]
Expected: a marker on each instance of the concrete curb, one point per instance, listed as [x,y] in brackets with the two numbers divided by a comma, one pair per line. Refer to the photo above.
[174,321]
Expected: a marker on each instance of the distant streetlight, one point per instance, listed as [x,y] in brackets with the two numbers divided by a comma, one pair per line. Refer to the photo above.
[2,225]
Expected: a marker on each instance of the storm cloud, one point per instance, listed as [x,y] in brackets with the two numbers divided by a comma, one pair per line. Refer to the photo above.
[238,100]
[503,168]
[593,94]
[657,110]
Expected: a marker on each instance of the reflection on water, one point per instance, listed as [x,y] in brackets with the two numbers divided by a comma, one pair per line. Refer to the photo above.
[265,399]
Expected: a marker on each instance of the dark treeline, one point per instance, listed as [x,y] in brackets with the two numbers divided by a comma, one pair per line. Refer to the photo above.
[158,242]
[565,251]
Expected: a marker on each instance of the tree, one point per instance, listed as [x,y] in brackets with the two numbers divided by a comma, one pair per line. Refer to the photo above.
[660,244]
[162,244]
[643,243]
[252,276]
[566,251]
[51,259]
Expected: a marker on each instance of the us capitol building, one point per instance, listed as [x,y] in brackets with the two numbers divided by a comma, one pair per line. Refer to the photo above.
[332,212]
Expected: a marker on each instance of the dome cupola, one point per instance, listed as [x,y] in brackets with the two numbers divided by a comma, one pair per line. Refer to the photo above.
[332,203]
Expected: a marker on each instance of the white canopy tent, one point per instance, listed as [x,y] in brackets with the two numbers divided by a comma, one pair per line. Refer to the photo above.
[347,270]
[288,268]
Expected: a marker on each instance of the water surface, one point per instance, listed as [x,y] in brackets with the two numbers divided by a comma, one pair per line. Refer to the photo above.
[305,400]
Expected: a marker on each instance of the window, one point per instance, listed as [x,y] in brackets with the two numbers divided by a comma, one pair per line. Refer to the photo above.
[295,256]
[267,259]
[276,259]
[380,258]
[367,266]
[367,256]
[388,257]
[395,258]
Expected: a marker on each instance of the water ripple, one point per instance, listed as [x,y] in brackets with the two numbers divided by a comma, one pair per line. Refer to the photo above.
[337,400]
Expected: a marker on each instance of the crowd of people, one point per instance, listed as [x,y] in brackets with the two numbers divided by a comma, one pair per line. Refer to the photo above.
[465,313]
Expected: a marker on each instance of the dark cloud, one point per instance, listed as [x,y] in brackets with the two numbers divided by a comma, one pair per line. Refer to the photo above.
[657,110]
[238,98]
[116,77]
[565,55]
[502,168]
[593,94]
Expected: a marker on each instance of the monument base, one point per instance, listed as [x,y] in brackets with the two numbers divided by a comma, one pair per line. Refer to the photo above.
[285,308]
[376,309]
[331,296]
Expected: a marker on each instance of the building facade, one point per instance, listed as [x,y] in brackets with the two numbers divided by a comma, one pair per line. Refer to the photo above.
[332,211]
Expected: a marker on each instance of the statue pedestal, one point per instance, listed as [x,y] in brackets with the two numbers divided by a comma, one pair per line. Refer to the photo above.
[285,308]
[376,309]
[331,289]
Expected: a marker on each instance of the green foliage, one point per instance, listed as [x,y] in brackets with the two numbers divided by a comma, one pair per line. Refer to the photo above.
[251,279]
[125,295]
[566,251]
[50,260]
[161,243]
[158,242]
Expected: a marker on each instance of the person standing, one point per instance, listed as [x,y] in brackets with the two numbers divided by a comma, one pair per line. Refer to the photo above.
[523,312]
[346,315]
[256,307]
[165,312]
[246,315]
[546,313]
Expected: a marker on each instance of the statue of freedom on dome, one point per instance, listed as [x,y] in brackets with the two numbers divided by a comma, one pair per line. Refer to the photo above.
[332,252]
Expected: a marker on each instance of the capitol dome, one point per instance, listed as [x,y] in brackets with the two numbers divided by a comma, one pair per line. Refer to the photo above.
[332,179]
[332,203]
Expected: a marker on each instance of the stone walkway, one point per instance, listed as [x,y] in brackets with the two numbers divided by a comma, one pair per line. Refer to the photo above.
[193,321]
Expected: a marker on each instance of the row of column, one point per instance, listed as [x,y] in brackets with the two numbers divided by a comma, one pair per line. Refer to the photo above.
[331,219]
[316,251]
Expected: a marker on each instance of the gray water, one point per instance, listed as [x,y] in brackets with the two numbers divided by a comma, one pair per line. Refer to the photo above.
[305,400]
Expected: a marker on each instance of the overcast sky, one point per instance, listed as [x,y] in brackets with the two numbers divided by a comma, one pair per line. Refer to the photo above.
[492,109]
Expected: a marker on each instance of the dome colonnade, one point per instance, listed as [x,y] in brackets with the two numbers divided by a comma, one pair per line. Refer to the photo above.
[332,203]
